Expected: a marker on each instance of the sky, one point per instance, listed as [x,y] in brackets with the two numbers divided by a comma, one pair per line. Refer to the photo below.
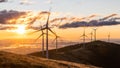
[68,8]
[76,7]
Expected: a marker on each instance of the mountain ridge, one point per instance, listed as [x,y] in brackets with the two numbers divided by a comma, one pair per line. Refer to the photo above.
[98,53]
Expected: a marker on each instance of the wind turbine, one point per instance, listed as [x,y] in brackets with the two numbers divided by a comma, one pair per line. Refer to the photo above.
[56,36]
[95,29]
[84,36]
[42,35]
[109,37]
[56,41]
[91,34]
[47,28]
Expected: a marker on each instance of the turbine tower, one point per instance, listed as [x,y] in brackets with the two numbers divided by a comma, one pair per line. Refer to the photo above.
[57,37]
[42,40]
[47,54]
[95,29]
[91,34]
[56,41]
[109,37]
[47,31]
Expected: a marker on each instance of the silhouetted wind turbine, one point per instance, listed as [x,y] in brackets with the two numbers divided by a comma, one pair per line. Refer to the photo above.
[56,41]
[42,35]
[47,29]
[109,37]
[56,36]
[95,29]
[91,34]
[84,36]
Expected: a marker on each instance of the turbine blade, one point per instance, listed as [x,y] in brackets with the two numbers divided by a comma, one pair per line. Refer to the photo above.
[52,31]
[43,28]
[48,34]
[53,40]
[34,32]
[59,37]
[48,17]
[81,36]
[38,37]
[86,36]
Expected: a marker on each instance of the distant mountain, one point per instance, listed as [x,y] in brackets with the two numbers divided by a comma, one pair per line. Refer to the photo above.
[98,53]
[10,60]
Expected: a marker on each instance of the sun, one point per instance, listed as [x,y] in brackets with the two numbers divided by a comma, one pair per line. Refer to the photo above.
[20,29]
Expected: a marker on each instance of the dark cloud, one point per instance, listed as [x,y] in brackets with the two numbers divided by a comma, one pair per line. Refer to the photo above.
[72,18]
[44,12]
[3,1]
[108,17]
[26,2]
[89,24]
[16,17]
[73,24]
[58,19]
[8,15]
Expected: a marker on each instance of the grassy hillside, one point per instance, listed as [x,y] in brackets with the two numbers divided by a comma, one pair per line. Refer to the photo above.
[10,60]
[98,53]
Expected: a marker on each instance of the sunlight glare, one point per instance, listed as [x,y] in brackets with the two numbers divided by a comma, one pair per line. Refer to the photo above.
[20,29]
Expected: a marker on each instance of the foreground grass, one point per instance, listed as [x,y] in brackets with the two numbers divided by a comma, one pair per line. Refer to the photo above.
[10,60]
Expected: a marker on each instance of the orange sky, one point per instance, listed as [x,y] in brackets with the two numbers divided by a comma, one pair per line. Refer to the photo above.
[69,34]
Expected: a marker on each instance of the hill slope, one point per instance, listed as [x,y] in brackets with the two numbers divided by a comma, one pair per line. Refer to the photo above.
[97,53]
[10,60]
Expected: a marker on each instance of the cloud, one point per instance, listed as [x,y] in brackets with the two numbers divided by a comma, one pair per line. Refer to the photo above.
[26,2]
[30,18]
[9,15]
[74,22]
[58,19]
[16,17]
[8,27]
[88,24]
[44,12]
[73,19]
[108,16]
[72,25]
[3,1]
